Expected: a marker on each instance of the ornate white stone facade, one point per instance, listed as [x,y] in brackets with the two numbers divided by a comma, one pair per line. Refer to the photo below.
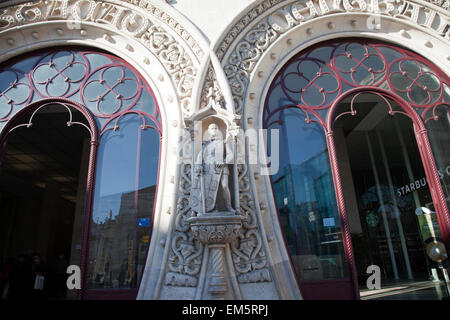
[225,78]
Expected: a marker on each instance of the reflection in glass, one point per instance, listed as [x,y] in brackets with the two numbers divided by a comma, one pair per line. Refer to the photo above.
[127,171]
[378,202]
[385,188]
[304,193]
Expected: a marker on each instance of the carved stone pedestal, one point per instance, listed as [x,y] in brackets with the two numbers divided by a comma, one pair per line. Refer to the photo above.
[216,230]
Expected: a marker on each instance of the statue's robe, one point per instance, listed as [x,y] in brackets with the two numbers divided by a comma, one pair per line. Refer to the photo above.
[212,154]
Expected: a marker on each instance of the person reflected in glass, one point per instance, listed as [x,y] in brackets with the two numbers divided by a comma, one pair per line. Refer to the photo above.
[39,273]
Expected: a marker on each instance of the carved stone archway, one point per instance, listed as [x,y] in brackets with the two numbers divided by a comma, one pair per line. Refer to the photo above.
[269,32]
[162,45]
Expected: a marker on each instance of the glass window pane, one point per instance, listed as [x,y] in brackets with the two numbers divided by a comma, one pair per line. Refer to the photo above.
[439,135]
[388,202]
[127,171]
[304,193]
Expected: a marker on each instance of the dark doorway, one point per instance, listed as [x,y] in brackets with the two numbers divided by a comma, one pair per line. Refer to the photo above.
[388,201]
[42,194]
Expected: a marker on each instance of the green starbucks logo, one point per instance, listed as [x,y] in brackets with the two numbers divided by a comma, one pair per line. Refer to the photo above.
[372,219]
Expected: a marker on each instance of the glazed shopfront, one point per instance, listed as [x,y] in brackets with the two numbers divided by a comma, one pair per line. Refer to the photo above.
[102,104]
[81,112]
[352,115]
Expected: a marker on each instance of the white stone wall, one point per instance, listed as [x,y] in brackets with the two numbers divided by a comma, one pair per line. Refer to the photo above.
[210,17]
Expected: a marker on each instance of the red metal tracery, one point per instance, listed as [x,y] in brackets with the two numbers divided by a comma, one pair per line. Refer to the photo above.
[313,80]
[97,81]
[318,80]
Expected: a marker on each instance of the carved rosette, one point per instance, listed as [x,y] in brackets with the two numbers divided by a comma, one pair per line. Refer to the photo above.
[216,229]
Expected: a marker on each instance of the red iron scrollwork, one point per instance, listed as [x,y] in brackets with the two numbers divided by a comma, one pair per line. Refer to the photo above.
[313,80]
[106,85]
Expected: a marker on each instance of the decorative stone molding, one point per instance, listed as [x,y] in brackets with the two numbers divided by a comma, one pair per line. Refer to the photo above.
[216,228]
[192,233]
[210,89]
[186,252]
[441,3]
[248,252]
[293,12]
[207,257]
[232,244]
[263,24]
[180,280]
[162,34]
[262,275]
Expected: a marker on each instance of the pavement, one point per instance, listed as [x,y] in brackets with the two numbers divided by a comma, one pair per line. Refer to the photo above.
[421,290]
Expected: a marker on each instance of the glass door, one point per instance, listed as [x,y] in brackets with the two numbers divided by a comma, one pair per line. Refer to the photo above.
[391,213]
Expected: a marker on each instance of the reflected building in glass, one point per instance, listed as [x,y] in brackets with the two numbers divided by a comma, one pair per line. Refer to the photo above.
[307,206]
[120,242]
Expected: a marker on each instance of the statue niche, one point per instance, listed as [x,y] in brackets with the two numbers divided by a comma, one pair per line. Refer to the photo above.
[210,189]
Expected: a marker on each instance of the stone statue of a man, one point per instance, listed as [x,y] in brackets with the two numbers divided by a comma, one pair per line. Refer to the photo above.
[212,172]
